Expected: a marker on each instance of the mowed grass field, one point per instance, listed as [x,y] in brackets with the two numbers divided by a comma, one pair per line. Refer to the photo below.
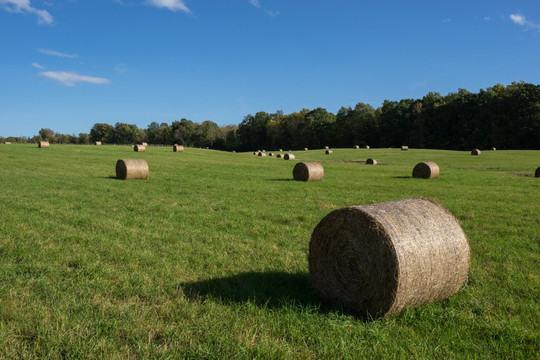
[208,257]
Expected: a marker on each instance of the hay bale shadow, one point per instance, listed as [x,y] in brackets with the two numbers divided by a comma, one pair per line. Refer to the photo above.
[271,289]
[282,179]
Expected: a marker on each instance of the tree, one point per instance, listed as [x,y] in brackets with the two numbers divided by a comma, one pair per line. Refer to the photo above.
[102,132]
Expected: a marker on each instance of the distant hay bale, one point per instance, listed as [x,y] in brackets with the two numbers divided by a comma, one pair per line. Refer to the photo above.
[366,147]
[270,154]
[131,169]
[139,148]
[97,143]
[255,153]
[279,156]
[308,171]
[383,258]
[144,143]
[288,157]
[357,146]
[476,152]
[426,170]
[404,148]
[306,149]
[371,162]
[326,147]
[261,154]
[7,142]
[234,151]
[178,148]
[493,148]
[263,151]
[280,150]
[537,172]
[328,152]
[43,144]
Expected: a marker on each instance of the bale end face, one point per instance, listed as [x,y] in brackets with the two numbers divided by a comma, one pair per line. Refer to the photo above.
[308,171]
[131,169]
[371,162]
[426,170]
[537,173]
[381,259]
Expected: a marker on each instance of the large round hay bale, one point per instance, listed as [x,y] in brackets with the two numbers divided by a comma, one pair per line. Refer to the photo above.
[131,169]
[270,154]
[371,161]
[97,143]
[178,148]
[139,148]
[537,172]
[288,157]
[308,171]
[328,152]
[404,148]
[43,144]
[426,170]
[476,152]
[357,146]
[261,154]
[381,259]
[306,149]
[366,147]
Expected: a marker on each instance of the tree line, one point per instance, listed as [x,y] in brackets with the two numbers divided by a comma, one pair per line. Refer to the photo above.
[506,117]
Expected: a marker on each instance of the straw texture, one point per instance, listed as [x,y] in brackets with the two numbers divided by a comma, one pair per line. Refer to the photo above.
[371,161]
[131,169]
[476,152]
[288,157]
[426,170]
[178,148]
[381,259]
[308,171]
[43,144]
[139,148]
[537,172]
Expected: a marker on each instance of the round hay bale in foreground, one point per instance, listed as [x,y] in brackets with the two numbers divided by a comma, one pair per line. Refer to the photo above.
[383,258]
[131,169]
[139,148]
[476,152]
[261,154]
[537,172]
[328,152]
[43,144]
[308,171]
[97,143]
[404,148]
[288,157]
[371,162]
[426,170]
[178,148]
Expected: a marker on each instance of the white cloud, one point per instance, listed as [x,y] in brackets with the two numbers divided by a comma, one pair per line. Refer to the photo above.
[255,3]
[57,53]
[258,5]
[522,21]
[71,78]
[172,5]
[24,6]
[36,65]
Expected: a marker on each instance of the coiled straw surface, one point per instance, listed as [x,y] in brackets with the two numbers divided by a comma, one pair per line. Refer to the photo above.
[308,171]
[381,259]
[132,169]
[426,170]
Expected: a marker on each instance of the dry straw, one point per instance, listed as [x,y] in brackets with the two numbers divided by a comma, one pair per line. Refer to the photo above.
[144,143]
[493,148]
[97,143]
[404,148]
[366,147]
[326,147]
[7,142]
[308,171]
[371,162]
[356,146]
[328,152]
[139,148]
[131,169]
[306,149]
[261,154]
[43,144]
[476,152]
[178,148]
[288,157]
[270,154]
[383,258]
[537,172]
[426,170]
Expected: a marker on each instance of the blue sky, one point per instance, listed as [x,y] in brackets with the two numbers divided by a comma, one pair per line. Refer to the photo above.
[68,64]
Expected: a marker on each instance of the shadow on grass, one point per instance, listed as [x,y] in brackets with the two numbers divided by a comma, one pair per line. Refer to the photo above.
[267,289]
[281,180]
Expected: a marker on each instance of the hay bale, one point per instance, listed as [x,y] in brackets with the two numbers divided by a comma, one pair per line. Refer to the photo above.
[264,151]
[7,142]
[493,148]
[537,172]
[366,147]
[97,143]
[371,161]
[328,152]
[43,144]
[270,154]
[280,150]
[144,144]
[356,146]
[254,153]
[178,148]
[139,148]
[476,152]
[404,148]
[308,171]
[261,154]
[326,147]
[288,157]
[279,156]
[383,258]
[306,149]
[426,170]
[131,169]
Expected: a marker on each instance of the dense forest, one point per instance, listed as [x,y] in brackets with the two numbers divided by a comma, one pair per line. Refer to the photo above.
[507,117]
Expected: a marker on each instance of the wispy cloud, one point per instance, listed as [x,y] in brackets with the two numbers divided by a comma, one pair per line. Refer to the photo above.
[72,78]
[36,65]
[522,21]
[24,6]
[121,68]
[57,53]
[257,4]
[173,5]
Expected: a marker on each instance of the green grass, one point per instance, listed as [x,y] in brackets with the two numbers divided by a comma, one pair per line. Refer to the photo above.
[208,257]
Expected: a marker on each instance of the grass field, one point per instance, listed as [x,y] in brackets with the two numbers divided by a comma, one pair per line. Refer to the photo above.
[208,257]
